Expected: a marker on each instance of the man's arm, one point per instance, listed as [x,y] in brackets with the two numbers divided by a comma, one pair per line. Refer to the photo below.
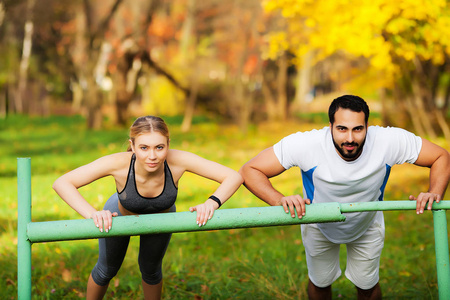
[256,173]
[438,160]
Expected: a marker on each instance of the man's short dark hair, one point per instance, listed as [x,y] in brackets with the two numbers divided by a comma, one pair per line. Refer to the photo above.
[354,103]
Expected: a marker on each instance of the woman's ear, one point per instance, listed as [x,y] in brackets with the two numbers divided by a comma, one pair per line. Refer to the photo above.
[131,145]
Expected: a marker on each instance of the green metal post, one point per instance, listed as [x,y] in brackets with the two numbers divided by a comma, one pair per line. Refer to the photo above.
[23,218]
[440,234]
[442,255]
[181,222]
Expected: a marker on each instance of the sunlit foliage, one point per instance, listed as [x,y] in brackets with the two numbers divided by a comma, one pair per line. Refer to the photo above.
[380,30]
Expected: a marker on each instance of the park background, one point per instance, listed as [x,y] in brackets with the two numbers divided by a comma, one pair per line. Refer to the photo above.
[230,78]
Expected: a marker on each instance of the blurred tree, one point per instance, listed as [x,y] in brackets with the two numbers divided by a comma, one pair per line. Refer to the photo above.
[216,52]
[51,27]
[9,62]
[235,28]
[89,54]
[188,57]
[128,35]
[25,60]
[405,42]
[10,49]
[90,48]
[87,51]
[125,41]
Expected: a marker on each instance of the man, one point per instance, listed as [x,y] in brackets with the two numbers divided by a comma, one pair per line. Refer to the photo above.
[346,162]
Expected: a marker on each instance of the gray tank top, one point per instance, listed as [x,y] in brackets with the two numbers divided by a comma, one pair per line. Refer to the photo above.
[131,200]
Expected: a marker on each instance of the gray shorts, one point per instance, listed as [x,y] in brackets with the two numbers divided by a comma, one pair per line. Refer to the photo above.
[363,257]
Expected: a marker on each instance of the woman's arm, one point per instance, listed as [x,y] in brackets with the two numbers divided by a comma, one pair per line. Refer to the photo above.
[229,179]
[67,186]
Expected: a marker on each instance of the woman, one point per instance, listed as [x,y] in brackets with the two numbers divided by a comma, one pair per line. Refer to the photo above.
[146,179]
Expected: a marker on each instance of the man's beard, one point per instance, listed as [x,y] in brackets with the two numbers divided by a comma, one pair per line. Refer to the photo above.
[354,154]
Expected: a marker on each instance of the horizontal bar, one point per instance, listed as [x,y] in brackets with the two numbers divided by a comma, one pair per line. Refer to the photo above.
[181,222]
[388,205]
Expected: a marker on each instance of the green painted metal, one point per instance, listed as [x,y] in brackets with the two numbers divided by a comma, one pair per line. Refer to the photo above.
[35,232]
[24,218]
[388,205]
[181,222]
[442,258]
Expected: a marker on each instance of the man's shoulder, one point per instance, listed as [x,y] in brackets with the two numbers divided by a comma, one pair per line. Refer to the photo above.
[311,133]
[386,131]
[302,148]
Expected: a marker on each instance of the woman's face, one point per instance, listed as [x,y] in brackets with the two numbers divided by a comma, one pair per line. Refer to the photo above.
[151,150]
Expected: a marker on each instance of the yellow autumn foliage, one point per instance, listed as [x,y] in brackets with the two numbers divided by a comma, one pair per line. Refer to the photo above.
[160,97]
[380,30]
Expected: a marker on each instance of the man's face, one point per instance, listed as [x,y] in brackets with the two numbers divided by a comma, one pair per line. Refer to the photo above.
[349,133]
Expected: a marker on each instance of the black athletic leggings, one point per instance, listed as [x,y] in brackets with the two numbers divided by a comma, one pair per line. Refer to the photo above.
[112,252]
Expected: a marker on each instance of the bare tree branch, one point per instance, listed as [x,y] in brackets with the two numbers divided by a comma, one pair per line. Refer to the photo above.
[147,59]
[103,25]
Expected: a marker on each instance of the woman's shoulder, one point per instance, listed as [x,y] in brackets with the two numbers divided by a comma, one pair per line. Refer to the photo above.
[119,156]
[112,164]
[114,161]
[178,162]
[179,157]
[184,160]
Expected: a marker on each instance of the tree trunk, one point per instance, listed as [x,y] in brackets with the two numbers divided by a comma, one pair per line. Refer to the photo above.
[237,102]
[282,87]
[421,112]
[93,100]
[442,123]
[186,32]
[446,105]
[185,42]
[130,64]
[25,61]
[385,116]
[3,94]
[303,83]
[86,56]
[413,113]
[126,78]
[190,106]
[269,101]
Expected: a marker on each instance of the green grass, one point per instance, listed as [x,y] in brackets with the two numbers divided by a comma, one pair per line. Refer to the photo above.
[256,263]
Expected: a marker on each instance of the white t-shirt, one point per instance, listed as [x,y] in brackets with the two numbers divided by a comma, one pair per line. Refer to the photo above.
[328,178]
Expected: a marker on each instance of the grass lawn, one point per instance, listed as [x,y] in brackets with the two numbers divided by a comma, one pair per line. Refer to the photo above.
[254,263]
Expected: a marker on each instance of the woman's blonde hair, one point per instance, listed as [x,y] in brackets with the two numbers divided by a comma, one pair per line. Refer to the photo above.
[148,124]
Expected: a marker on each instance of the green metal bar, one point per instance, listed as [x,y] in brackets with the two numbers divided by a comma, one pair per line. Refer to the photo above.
[442,254]
[440,233]
[24,218]
[34,232]
[388,205]
[181,222]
